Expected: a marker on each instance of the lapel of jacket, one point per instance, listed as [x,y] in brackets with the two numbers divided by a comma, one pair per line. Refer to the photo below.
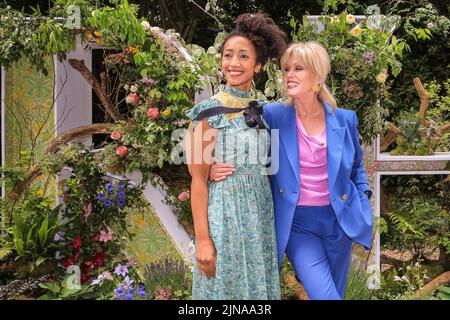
[335,139]
[288,137]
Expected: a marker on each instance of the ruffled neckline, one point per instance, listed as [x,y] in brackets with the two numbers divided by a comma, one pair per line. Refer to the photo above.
[235,91]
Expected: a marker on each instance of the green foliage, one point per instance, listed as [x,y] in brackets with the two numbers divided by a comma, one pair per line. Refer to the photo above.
[410,142]
[118,25]
[209,60]
[362,56]
[168,273]
[6,252]
[427,33]
[418,219]
[35,224]
[287,271]
[443,293]
[68,289]
[356,288]
[176,179]
[402,283]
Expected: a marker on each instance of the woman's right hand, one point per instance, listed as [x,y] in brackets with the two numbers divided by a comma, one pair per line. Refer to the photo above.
[206,257]
[219,171]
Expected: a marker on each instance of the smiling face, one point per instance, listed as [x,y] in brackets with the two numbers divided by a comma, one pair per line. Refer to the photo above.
[297,79]
[239,62]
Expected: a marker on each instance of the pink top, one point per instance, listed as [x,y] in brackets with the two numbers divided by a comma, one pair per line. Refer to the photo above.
[313,168]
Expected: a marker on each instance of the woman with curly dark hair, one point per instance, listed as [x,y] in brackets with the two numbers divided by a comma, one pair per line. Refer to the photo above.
[236,251]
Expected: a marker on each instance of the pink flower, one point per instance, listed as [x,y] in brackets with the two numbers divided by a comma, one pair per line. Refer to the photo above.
[153,113]
[132,98]
[184,196]
[122,151]
[163,294]
[87,209]
[116,135]
[430,25]
[133,262]
[106,236]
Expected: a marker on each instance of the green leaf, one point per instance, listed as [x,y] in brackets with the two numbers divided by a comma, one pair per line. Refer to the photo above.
[53,287]
[18,242]
[40,260]
[43,232]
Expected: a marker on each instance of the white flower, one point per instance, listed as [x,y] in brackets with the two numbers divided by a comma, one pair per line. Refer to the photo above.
[334,19]
[382,76]
[430,25]
[397,278]
[350,19]
[356,31]
[126,87]
[146,25]
[133,88]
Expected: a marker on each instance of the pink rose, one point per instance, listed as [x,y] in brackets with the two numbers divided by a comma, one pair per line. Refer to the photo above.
[153,113]
[184,196]
[122,151]
[116,135]
[132,98]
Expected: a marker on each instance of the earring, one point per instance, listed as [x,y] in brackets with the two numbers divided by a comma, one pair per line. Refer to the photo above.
[315,88]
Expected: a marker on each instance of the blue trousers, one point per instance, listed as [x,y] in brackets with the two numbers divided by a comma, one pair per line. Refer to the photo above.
[320,252]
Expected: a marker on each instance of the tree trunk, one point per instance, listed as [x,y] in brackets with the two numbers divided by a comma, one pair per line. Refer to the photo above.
[96,86]
[427,289]
[389,137]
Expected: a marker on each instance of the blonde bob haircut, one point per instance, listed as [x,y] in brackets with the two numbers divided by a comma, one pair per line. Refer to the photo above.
[315,58]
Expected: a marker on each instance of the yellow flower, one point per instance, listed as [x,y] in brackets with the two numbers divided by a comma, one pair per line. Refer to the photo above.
[350,19]
[139,220]
[133,50]
[356,31]
[166,112]
[382,76]
[334,19]
[97,34]
[89,35]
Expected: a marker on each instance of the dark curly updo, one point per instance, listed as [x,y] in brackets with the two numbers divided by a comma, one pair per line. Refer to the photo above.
[269,40]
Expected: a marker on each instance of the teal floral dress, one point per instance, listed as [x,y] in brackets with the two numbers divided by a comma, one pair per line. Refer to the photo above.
[240,210]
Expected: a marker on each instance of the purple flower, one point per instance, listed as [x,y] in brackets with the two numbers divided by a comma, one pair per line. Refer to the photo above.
[121,270]
[119,296]
[129,296]
[120,202]
[109,187]
[141,291]
[127,283]
[132,290]
[107,203]
[121,194]
[119,289]
[369,56]
[147,81]
[120,187]
[101,196]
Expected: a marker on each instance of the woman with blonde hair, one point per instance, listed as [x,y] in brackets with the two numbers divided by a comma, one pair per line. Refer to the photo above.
[320,192]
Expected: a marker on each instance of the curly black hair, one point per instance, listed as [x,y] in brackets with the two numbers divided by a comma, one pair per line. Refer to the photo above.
[269,40]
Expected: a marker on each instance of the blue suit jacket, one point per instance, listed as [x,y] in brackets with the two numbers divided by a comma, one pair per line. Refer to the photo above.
[346,174]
